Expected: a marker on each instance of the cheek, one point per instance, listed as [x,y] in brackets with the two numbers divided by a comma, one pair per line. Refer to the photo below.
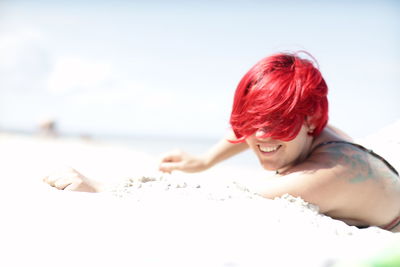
[295,150]
[291,153]
[250,141]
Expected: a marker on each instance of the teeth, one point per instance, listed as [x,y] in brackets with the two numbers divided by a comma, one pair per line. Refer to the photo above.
[268,149]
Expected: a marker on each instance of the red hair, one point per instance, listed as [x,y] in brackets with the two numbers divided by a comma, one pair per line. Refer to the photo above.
[277,95]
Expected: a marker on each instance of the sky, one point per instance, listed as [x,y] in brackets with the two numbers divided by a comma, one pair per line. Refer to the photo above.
[170,68]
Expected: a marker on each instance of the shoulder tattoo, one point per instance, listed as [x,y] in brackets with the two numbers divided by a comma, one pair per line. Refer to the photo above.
[359,165]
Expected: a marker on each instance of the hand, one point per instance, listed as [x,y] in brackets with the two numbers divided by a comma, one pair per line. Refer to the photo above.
[71,180]
[182,161]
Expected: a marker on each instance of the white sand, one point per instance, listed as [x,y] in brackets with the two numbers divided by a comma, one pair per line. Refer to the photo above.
[205,219]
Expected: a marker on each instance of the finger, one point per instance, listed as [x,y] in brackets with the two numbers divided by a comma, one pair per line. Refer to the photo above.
[163,167]
[163,170]
[62,183]
[50,179]
[46,180]
[173,156]
[170,166]
[72,187]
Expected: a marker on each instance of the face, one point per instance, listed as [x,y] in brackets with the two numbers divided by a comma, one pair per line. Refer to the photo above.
[279,155]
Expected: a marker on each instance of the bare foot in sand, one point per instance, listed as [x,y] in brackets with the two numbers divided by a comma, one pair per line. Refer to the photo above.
[72,180]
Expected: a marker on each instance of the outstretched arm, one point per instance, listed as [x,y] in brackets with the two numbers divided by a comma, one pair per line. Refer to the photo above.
[179,160]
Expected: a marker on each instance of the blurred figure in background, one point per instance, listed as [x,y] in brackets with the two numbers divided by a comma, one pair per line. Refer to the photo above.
[48,127]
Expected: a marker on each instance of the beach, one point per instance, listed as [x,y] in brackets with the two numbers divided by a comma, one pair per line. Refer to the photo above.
[146,218]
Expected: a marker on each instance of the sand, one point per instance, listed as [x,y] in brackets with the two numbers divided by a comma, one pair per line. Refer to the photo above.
[149,219]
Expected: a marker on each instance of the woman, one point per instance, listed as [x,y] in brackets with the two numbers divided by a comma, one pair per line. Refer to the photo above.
[280,111]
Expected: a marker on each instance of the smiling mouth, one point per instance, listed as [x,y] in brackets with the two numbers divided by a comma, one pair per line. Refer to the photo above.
[269,149]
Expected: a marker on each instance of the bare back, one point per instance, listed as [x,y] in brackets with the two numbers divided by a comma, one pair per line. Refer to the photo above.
[368,191]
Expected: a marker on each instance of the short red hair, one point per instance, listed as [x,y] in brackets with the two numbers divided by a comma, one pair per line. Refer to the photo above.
[277,95]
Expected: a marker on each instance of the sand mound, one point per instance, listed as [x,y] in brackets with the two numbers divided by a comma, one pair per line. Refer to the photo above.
[149,219]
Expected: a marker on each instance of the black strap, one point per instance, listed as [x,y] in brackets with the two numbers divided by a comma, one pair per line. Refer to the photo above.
[360,147]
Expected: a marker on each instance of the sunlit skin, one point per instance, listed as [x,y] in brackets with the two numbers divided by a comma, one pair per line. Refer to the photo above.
[277,155]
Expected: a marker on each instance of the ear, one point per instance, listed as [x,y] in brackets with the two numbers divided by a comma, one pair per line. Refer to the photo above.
[311,127]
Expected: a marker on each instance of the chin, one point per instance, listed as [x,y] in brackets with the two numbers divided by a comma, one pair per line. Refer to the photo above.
[269,167]
[272,167]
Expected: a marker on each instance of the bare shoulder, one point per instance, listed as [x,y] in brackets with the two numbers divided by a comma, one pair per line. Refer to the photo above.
[362,187]
[351,162]
[355,163]
[325,178]
[334,155]
[331,176]
[316,180]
